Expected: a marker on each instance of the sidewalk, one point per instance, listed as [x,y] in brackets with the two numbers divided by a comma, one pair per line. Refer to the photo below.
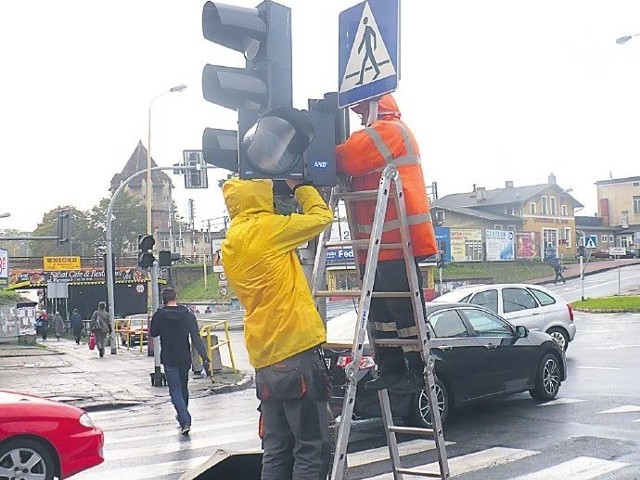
[573,269]
[64,371]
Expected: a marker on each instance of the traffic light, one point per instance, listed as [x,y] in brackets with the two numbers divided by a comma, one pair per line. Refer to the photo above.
[145,251]
[64,226]
[194,177]
[263,35]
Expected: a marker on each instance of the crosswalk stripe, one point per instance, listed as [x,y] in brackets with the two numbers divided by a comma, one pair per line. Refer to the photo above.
[560,401]
[142,472]
[364,457]
[490,457]
[580,468]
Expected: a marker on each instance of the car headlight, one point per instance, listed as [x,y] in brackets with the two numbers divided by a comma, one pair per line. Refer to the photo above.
[85,421]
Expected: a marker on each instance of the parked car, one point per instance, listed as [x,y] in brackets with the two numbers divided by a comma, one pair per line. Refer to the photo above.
[478,356]
[44,439]
[531,306]
[133,329]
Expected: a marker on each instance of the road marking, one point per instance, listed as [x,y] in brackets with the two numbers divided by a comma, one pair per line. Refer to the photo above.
[472,462]
[581,468]
[364,457]
[623,409]
[142,472]
[617,347]
[560,401]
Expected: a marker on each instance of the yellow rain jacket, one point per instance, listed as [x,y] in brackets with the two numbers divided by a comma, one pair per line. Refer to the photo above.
[259,258]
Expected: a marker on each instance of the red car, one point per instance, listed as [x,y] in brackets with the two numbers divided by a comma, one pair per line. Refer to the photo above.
[44,439]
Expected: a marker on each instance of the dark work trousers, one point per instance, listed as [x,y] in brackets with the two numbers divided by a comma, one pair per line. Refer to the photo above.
[294,396]
[393,318]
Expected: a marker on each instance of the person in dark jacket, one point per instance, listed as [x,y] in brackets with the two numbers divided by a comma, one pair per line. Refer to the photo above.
[101,326]
[174,324]
[77,325]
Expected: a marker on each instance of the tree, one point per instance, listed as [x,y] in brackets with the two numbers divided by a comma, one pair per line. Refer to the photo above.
[83,235]
[128,221]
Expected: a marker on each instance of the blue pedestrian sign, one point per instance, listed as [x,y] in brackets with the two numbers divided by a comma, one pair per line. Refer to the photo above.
[369,53]
[592,241]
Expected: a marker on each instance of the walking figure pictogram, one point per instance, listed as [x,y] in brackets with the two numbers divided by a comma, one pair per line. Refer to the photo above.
[367,39]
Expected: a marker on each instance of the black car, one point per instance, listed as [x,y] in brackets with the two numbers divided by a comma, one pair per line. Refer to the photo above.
[478,356]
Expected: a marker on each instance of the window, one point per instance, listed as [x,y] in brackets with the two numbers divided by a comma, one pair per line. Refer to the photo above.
[567,237]
[554,205]
[542,297]
[511,227]
[486,324]
[604,238]
[545,205]
[487,299]
[611,239]
[497,226]
[516,299]
[166,243]
[179,242]
[565,210]
[447,324]
[440,217]
[532,208]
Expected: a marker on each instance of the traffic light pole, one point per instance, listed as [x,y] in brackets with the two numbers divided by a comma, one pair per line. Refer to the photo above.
[110,273]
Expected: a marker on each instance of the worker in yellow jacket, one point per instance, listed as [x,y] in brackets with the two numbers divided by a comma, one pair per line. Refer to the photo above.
[282,328]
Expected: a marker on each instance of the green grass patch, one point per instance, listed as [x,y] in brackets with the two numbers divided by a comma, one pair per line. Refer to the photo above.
[623,303]
[197,291]
[498,272]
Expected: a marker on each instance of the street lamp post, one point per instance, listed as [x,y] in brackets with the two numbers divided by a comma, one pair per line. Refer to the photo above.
[5,215]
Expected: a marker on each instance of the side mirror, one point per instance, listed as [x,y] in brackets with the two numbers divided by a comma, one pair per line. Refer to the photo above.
[521,332]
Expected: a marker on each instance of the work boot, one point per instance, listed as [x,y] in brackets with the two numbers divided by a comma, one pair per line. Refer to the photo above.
[383,381]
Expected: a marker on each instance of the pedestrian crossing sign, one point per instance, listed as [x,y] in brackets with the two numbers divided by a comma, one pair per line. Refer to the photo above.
[369,51]
[592,241]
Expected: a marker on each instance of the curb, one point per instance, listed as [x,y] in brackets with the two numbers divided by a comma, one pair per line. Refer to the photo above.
[245,383]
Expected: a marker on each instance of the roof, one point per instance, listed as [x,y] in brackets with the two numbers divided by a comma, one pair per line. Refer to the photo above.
[481,214]
[613,181]
[136,163]
[498,196]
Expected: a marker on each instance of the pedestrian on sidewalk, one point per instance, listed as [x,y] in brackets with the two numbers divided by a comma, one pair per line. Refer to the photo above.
[558,268]
[77,325]
[42,323]
[175,324]
[282,329]
[100,326]
[58,325]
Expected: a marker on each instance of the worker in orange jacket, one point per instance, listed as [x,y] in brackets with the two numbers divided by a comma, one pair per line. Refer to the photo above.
[387,140]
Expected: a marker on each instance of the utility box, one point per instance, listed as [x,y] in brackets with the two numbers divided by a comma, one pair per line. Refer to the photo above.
[216,360]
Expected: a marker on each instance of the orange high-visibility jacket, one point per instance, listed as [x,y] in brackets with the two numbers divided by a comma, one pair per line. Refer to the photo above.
[364,155]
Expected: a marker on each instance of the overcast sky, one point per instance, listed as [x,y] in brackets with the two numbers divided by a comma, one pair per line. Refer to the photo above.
[495,90]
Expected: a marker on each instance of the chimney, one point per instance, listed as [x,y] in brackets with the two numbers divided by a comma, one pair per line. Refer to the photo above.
[508,184]
[474,187]
[552,179]
[482,194]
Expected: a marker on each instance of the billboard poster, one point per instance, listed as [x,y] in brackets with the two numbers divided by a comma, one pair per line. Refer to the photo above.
[443,239]
[466,245]
[499,245]
[4,267]
[525,245]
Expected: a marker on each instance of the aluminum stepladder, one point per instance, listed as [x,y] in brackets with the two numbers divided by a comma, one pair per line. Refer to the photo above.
[373,245]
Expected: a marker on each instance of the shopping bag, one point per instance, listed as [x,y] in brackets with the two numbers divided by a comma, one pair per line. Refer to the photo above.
[92,342]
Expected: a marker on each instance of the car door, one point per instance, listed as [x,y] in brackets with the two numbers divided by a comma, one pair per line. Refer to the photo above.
[459,356]
[520,307]
[503,367]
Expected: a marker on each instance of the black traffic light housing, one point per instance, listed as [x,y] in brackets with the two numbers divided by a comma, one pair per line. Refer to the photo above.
[145,251]
[64,226]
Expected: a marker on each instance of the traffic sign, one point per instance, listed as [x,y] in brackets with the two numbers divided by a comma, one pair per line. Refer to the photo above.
[617,251]
[592,242]
[369,51]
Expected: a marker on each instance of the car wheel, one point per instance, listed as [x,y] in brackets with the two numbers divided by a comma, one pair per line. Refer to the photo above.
[548,379]
[30,457]
[420,413]
[560,336]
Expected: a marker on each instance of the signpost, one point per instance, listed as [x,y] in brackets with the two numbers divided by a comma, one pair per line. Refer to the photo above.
[369,51]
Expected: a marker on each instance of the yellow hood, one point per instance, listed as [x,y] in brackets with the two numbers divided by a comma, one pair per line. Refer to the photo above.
[248,196]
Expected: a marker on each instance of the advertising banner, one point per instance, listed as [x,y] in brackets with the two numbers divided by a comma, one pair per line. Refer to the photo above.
[4,267]
[466,245]
[499,245]
[525,245]
[52,264]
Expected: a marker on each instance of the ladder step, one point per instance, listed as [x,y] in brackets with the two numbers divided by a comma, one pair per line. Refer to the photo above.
[396,342]
[360,244]
[361,195]
[412,430]
[418,473]
[357,293]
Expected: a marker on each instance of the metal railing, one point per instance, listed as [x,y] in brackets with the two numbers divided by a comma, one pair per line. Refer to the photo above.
[205,334]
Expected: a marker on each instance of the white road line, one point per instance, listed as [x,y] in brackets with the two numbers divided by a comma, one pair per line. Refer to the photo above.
[142,472]
[472,462]
[581,468]
[364,457]
[617,347]
[623,409]
[560,401]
